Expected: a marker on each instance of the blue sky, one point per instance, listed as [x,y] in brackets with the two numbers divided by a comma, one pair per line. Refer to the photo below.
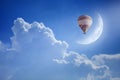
[38,40]
[60,16]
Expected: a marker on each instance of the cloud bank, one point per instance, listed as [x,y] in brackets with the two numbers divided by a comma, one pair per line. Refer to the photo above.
[35,54]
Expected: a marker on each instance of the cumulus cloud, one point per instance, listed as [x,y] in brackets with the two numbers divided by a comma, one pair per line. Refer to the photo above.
[100,59]
[25,33]
[103,65]
[32,44]
[36,53]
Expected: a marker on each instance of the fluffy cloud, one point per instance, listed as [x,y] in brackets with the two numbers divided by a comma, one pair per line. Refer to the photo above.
[25,33]
[32,44]
[35,54]
[103,65]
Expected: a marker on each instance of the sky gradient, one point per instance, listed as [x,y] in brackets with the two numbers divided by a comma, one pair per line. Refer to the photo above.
[38,40]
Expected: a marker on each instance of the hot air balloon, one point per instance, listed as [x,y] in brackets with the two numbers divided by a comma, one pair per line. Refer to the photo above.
[84,22]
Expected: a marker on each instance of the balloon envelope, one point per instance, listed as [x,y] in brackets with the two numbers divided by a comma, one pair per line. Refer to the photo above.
[84,22]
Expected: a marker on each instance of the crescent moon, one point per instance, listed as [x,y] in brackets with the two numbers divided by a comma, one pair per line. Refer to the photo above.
[95,34]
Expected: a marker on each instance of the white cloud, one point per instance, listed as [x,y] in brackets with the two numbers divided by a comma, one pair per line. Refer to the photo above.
[35,50]
[79,59]
[102,65]
[32,44]
[25,33]
[100,59]
[60,61]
